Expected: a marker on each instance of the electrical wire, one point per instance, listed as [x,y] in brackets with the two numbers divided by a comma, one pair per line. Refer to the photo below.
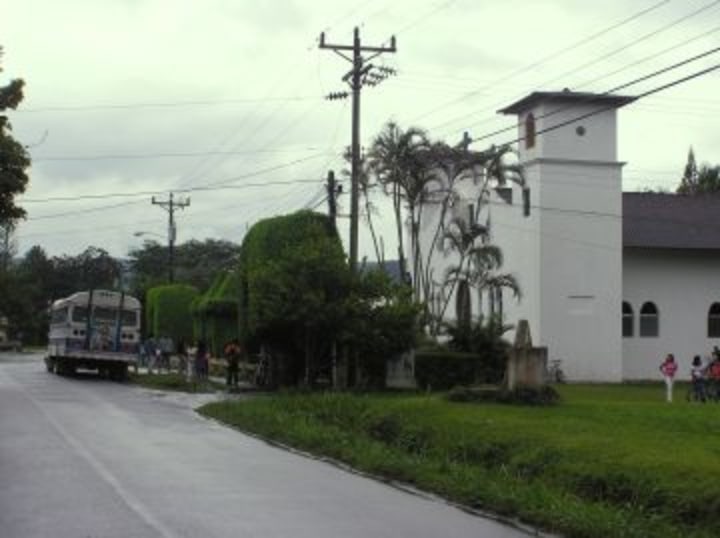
[553,56]
[161,155]
[607,108]
[594,97]
[166,104]
[596,60]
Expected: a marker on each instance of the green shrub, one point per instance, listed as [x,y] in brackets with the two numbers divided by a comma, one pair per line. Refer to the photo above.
[168,311]
[293,282]
[544,395]
[442,370]
[215,313]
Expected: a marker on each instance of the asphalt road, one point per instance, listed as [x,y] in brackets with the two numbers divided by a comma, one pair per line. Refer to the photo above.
[87,458]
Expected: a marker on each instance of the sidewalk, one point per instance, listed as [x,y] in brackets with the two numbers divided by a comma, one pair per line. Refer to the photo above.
[243,386]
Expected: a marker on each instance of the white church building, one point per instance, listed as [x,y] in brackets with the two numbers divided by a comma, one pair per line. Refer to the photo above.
[611,281]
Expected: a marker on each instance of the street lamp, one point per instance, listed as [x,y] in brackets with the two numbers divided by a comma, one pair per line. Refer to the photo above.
[140,234]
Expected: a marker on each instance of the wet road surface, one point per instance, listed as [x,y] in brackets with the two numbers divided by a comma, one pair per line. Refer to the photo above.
[88,458]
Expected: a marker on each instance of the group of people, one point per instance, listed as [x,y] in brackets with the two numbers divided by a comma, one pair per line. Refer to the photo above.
[704,376]
[155,354]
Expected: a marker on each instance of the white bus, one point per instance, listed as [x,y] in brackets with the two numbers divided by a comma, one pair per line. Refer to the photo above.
[96,330]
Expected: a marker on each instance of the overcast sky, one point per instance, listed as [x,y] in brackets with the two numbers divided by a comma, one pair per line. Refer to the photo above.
[153,96]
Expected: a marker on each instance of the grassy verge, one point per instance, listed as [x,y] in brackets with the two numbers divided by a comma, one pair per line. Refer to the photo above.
[609,461]
[174,382]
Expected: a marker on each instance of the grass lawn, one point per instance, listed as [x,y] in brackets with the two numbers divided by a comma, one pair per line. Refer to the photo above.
[609,461]
[176,382]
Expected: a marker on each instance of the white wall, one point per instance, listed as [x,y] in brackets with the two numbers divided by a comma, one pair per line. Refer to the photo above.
[683,285]
[599,143]
[519,238]
[581,267]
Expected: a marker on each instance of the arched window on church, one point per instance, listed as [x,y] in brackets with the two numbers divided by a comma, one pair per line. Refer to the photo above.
[714,321]
[529,131]
[628,320]
[649,320]
[463,308]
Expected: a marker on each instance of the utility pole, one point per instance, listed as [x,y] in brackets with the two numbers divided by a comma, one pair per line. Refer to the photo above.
[361,73]
[170,205]
[333,189]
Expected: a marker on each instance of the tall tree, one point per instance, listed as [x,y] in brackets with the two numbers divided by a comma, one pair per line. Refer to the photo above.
[705,179]
[689,181]
[8,245]
[399,159]
[14,159]
[708,178]
[197,263]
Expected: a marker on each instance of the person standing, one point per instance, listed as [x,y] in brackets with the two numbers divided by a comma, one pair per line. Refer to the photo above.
[150,350]
[201,360]
[697,375]
[668,369]
[232,356]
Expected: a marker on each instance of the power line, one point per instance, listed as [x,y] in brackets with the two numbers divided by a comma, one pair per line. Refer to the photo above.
[650,57]
[82,211]
[160,155]
[603,57]
[606,108]
[544,60]
[165,104]
[592,97]
[160,192]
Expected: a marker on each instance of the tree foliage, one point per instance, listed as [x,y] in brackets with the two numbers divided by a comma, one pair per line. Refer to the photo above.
[196,263]
[14,159]
[427,183]
[380,320]
[216,311]
[702,180]
[293,280]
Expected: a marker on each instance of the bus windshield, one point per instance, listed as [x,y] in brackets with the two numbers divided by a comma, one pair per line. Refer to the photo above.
[104,314]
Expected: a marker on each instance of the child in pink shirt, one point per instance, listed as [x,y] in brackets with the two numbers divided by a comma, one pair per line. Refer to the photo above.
[668,369]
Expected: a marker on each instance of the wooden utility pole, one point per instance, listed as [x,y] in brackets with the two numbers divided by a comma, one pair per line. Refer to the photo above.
[360,74]
[170,206]
[333,189]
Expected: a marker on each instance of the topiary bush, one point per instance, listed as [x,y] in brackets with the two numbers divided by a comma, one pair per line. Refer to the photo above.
[215,313]
[168,311]
[293,281]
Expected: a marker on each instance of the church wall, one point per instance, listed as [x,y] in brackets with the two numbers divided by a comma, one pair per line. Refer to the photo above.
[683,285]
[581,268]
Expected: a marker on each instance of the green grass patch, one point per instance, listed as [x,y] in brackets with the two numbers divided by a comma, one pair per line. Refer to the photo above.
[607,461]
[174,382]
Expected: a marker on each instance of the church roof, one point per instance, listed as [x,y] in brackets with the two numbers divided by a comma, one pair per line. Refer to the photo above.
[567,96]
[662,220]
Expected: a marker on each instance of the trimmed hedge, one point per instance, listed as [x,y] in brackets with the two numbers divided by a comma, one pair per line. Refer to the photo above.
[215,313]
[168,311]
[294,281]
[443,370]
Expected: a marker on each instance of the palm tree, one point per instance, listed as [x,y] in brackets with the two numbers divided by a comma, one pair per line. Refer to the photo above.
[399,160]
[477,268]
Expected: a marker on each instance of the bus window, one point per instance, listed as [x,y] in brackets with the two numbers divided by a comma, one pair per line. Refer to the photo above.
[129,318]
[59,316]
[79,314]
[101,313]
